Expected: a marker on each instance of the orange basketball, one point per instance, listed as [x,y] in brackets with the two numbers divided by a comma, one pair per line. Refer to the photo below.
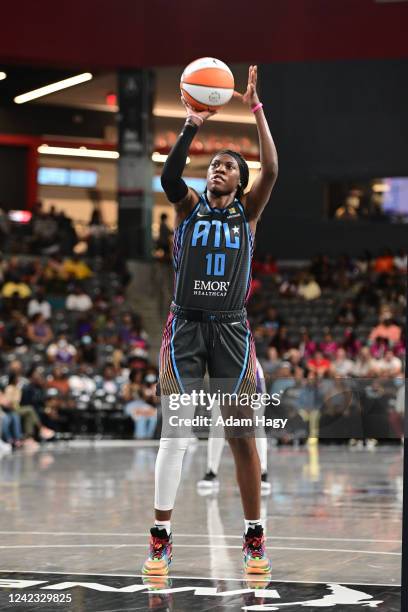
[207,84]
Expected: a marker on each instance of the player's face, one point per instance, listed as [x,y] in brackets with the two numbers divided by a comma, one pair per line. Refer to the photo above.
[223,175]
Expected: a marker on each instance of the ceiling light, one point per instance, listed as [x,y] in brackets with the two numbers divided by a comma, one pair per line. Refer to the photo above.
[77,152]
[160,158]
[53,87]
[3,75]
[222,116]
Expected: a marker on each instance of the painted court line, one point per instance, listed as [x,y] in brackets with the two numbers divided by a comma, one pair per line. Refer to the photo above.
[203,535]
[331,550]
[97,574]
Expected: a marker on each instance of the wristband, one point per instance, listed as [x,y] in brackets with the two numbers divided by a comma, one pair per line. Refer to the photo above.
[256,107]
[190,120]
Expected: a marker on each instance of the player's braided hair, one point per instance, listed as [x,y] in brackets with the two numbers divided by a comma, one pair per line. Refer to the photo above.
[243,170]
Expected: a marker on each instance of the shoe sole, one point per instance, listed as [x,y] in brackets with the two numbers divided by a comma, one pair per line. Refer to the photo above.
[163,572]
[257,570]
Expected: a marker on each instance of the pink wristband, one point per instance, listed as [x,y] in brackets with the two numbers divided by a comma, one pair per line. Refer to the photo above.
[256,107]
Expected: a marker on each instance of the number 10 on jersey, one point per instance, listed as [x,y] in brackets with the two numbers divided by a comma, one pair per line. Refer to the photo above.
[215,264]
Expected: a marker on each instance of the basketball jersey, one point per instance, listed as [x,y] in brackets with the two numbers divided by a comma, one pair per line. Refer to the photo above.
[212,255]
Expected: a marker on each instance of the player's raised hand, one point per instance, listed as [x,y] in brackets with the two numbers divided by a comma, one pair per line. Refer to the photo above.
[198,117]
[250,97]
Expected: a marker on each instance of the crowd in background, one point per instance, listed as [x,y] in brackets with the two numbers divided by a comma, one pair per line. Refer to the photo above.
[335,329]
[46,232]
[75,358]
[69,344]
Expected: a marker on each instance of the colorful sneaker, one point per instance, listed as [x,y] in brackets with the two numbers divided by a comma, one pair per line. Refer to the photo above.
[160,553]
[255,559]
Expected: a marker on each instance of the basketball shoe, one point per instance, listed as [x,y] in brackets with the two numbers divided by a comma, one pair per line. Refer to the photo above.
[255,558]
[160,553]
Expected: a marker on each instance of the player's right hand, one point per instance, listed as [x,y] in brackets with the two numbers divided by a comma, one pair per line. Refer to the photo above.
[198,117]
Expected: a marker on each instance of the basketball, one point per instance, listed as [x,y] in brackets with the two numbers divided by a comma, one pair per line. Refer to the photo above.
[207,84]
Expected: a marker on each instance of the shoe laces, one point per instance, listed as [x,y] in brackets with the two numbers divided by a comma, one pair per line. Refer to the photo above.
[255,544]
[158,547]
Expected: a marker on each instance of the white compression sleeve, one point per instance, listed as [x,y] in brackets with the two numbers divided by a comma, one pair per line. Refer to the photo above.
[169,463]
[214,452]
[262,448]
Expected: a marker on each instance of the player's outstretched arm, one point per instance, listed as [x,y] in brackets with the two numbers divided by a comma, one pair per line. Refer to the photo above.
[258,196]
[177,192]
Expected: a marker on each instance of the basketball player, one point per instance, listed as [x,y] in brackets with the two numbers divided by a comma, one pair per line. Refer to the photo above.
[207,326]
[210,482]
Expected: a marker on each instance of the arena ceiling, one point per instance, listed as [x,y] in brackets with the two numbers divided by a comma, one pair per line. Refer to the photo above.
[135,33]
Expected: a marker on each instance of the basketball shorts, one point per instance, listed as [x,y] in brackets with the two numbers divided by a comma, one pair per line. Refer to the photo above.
[220,343]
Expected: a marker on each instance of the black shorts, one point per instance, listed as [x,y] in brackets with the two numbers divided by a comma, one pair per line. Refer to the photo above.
[225,349]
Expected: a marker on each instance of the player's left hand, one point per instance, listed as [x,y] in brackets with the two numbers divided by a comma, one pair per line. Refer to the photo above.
[250,97]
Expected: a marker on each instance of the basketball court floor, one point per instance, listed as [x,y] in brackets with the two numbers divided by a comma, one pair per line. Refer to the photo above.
[74,523]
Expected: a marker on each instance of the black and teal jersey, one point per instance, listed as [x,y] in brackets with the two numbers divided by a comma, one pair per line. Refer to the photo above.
[212,257]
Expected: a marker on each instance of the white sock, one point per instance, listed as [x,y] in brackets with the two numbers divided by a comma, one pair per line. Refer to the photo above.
[163,525]
[252,523]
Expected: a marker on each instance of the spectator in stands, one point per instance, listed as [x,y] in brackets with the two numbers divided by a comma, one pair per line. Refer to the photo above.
[44,232]
[389,366]
[15,329]
[12,432]
[351,343]
[82,381]
[97,234]
[364,366]
[318,364]
[348,314]
[75,268]
[164,240]
[328,346]
[140,410]
[295,359]
[269,266]
[384,264]
[341,366]
[39,331]
[61,351]
[400,261]
[272,320]
[108,332]
[272,363]
[280,339]
[38,304]
[58,379]
[19,289]
[108,382]
[54,274]
[307,346]
[320,268]
[388,329]
[34,394]
[379,347]
[310,397]
[31,424]
[284,379]
[309,289]
[78,300]
[288,287]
